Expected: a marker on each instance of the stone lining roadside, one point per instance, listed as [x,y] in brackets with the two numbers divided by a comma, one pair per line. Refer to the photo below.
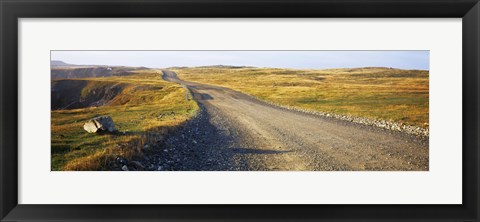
[389,125]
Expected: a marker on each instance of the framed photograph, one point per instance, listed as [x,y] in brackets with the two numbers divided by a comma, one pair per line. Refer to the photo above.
[204,110]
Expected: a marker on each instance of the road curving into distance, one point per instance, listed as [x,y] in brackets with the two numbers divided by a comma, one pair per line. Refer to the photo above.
[234,131]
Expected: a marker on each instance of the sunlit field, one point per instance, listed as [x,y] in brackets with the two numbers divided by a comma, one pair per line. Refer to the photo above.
[377,93]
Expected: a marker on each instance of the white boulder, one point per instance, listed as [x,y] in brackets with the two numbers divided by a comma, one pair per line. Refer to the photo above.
[100,124]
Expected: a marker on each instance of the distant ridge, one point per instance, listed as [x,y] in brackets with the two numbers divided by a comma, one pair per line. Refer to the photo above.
[225,66]
[74,71]
[347,69]
[58,63]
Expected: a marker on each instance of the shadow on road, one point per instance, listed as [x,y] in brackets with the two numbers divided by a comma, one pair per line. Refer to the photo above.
[196,146]
[257,151]
[201,96]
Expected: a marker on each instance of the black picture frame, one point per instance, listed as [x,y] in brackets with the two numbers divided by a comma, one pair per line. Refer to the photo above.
[12,10]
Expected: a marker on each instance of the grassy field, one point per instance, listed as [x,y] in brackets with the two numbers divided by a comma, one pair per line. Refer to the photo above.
[376,93]
[146,108]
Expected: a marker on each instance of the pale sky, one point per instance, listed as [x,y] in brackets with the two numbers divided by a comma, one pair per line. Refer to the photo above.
[277,59]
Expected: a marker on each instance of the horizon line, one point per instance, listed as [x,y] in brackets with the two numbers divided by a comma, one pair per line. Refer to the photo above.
[244,66]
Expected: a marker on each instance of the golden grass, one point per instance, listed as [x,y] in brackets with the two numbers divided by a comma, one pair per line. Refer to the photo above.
[147,108]
[376,93]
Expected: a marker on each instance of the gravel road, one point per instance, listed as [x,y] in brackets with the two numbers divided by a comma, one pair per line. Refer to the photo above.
[234,131]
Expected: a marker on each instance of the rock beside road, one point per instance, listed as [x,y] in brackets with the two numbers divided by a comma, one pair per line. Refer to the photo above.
[100,124]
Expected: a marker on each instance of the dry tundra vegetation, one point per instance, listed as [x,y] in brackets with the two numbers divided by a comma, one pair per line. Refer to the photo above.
[144,108]
[373,92]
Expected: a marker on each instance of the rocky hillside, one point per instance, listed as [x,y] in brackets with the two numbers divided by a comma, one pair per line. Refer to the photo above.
[74,94]
[143,107]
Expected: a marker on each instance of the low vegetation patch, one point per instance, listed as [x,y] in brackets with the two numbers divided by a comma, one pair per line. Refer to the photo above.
[143,106]
[377,93]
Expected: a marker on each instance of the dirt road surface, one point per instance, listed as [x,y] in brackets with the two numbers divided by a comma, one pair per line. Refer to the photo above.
[234,131]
